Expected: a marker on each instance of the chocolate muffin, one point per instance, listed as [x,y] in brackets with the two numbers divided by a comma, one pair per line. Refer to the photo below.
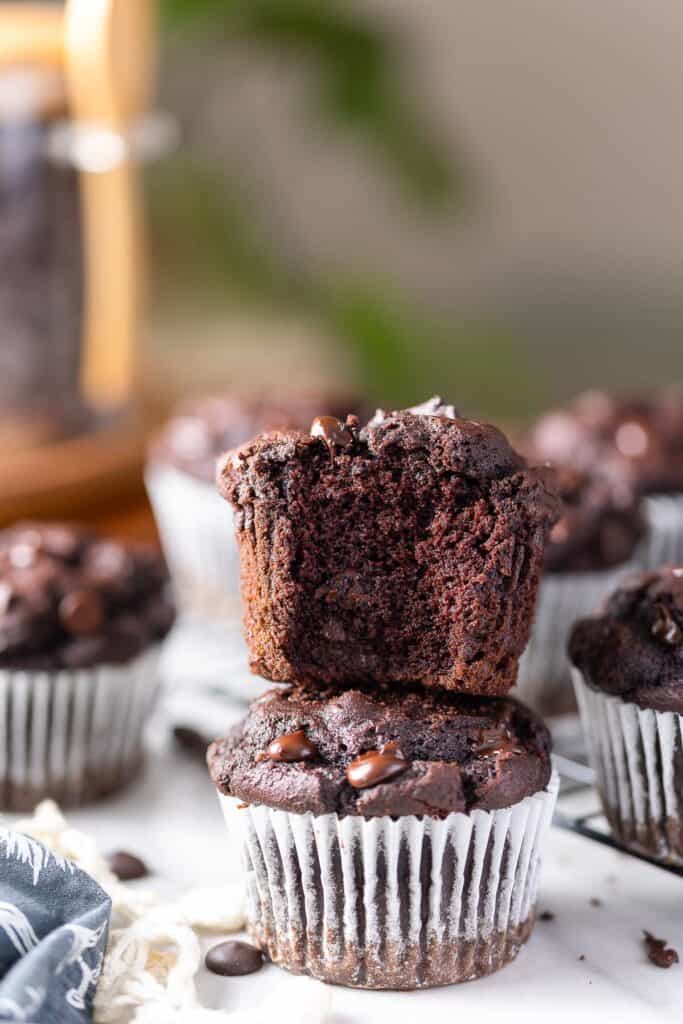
[638,436]
[391,840]
[629,683]
[81,620]
[591,546]
[408,551]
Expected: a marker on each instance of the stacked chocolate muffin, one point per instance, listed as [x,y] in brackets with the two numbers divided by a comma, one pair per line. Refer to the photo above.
[392,799]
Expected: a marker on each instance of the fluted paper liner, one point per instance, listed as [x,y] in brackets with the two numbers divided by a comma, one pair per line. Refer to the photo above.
[384,903]
[73,735]
[544,680]
[636,756]
[664,543]
[199,543]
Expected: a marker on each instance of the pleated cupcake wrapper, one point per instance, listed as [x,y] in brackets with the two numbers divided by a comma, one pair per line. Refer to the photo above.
[73,735]
[198,541]
[664,544]
[383,903]
[636,755]
[544,679]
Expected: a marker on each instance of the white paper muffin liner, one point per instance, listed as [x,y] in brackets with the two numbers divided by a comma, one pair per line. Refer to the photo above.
[544,680]
[383,903]
[637,755]
[74,736]
[198,541]
[664,543]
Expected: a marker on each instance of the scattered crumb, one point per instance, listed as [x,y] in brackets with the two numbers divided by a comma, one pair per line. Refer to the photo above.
[582,957]
[546,915]
[242,807]
[595,902]
[657,951]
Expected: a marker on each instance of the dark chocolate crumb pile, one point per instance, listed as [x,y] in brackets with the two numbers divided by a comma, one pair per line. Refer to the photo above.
[634,648]
[657,951]
[69,599]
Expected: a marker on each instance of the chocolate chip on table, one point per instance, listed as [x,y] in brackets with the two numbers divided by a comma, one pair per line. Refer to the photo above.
[595,902]
[126,866]
[82,612]
[191,741]
[293,746]
[376,766]
[546,915]
[582,956]
[234,958]
[657,951]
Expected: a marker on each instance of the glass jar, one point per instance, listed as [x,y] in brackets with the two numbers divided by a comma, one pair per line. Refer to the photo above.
[41,254]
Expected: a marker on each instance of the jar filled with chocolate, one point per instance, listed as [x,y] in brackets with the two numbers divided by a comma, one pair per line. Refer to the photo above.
[41,286]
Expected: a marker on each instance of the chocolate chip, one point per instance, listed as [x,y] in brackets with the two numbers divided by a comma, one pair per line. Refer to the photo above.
[595,902]
[293,746]
[81,612]
[126,866]
[332,431]
[191,741]
[665,628]
[376,766]
[234,958]
[582,957]
[546,915]
[657,952]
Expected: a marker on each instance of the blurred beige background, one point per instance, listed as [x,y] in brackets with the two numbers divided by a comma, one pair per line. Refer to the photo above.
[557,264]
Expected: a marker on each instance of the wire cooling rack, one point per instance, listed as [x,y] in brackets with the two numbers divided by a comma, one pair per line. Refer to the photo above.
[577,777]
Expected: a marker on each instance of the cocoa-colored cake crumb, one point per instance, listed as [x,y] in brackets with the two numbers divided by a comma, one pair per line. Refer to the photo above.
[657,951]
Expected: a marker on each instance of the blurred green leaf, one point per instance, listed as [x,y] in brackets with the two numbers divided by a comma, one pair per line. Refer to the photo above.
[359,78]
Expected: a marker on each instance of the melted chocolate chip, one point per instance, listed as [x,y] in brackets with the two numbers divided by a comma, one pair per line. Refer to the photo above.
[376,766]
[232,959]
[81,612]
[126,866]
[657,952]
[294,746]
[332,431]
[665,627]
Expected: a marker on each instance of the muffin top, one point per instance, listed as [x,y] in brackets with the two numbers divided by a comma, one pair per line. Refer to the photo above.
[203,428]
[371,752]
[634,647]
[640,436]
[601,524]
[70,599]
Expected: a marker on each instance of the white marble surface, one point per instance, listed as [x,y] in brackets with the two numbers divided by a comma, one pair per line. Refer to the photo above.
[172,819]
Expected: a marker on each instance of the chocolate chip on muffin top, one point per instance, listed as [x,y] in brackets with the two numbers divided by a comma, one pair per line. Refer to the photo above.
[371,752]
[203,428]
[406,551]
[70,599]
[634,647]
